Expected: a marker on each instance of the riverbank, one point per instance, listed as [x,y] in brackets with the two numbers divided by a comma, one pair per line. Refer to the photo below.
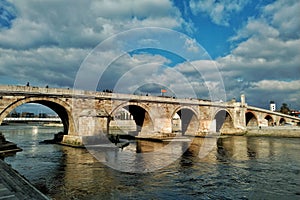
[279,131]
[6,147]
[15,186]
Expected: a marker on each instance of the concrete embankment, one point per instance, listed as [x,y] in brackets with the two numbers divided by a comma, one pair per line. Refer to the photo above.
[280,131]
[6,147]
[14,186]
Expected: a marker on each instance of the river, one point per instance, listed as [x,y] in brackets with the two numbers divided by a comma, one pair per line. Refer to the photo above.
[234,167]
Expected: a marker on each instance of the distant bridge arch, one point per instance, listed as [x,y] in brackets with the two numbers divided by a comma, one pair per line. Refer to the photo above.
[270,120]
[282,121]
[251,119]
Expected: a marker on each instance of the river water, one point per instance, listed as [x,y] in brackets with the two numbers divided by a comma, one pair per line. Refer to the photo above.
[230,168]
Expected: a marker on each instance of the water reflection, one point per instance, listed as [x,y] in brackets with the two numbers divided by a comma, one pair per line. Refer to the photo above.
[139,156]
[247,148]
[80,175]
[207,168]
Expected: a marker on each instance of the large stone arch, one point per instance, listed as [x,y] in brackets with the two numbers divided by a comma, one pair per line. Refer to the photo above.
[189,120]
[141,115]
[251,119]
[270,120]
[63,110]
[223,121]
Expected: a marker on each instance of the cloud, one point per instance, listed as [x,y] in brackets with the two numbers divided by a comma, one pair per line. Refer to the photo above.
[293,86]
[132,70]
[46,41]
[147,73]
[284,15]
[219,11]
[274,90]
[191,45]
[82,24]
[265,59]
[49,65]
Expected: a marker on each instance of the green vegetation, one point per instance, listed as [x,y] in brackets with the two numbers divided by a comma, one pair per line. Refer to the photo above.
[285,109]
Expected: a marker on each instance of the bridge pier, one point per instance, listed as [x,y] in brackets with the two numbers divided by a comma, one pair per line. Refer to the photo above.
[90,129]
[162,127]
[87,114]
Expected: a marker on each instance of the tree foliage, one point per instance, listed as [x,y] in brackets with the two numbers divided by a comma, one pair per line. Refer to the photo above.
[284,109]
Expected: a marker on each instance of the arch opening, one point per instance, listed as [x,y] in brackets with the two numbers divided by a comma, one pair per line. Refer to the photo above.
[251,120]
[60,110]
[270,120]
[282,121]
[130,120]
[35,121]
[185,122]
[223,122]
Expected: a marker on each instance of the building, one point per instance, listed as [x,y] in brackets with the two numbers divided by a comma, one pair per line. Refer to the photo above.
[295,113]
[272,106]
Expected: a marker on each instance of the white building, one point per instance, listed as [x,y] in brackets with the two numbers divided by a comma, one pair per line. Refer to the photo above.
[272,106]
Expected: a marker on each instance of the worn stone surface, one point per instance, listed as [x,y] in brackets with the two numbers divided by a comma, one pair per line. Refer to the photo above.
[89,113]
[14,186]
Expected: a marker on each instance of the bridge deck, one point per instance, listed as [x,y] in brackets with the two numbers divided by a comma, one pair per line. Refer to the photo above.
[14,186]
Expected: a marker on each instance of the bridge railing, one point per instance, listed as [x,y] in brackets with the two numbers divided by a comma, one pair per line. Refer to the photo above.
[65,92]
[272,112]
[31,119]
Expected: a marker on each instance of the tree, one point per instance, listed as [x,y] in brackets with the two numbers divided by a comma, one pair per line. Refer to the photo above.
[284,109]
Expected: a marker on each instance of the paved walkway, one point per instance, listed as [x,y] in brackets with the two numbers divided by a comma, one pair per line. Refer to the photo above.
[14,187]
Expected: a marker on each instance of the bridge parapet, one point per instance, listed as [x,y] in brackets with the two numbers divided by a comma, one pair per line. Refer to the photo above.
[29,90]
[86,113]
[272,112]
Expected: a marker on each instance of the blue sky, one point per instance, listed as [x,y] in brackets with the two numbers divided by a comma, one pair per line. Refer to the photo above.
[255,46]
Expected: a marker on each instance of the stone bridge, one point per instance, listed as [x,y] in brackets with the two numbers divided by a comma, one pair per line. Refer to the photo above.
[88,113]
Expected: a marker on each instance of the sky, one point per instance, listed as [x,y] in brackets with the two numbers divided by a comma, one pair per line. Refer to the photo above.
[215,50]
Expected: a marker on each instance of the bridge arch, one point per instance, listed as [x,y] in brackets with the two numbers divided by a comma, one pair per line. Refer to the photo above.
[270,120]
[282,121]
[186,122]
[140,114]
[251,119]
[223,121]
[62,109]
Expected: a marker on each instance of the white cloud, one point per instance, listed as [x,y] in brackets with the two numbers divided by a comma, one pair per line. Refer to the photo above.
[219,11]
[48,40]
[284,15]
[83,23]
[277,85]
[256,28]
[191,45]
[265,61]
[49,65]
[278,91]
